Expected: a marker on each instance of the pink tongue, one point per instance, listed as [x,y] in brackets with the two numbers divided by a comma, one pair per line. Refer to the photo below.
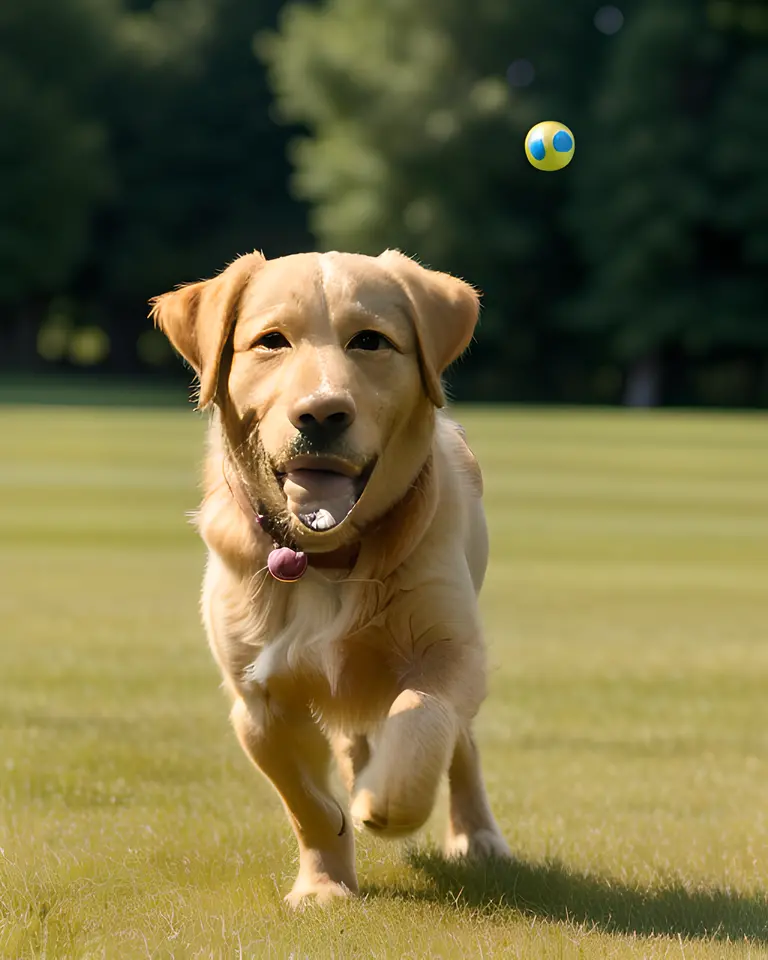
[310,491]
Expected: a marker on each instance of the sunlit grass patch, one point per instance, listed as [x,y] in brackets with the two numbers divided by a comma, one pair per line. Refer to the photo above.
[625,738]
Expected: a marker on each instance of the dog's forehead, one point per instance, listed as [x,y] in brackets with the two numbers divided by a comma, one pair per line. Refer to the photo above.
[328,282]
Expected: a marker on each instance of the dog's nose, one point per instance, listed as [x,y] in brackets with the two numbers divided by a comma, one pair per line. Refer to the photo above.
[326,413]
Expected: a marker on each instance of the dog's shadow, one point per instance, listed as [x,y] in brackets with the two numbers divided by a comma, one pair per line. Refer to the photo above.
[554,892]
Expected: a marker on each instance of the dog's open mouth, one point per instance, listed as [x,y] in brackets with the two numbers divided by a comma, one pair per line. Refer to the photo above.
[321,491]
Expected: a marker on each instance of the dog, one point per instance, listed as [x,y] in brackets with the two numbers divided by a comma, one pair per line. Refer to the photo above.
[346,543]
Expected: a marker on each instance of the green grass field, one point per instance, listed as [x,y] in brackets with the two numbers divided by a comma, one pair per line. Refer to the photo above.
[625,738]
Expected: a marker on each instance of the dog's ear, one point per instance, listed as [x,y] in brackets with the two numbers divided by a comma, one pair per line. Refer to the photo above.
[445,313]
[197,318]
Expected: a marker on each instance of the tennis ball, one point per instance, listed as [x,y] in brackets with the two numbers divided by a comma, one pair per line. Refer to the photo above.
[549,145]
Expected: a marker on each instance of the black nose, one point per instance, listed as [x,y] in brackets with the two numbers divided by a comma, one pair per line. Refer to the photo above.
[322,434]
[335,421]
[323,417]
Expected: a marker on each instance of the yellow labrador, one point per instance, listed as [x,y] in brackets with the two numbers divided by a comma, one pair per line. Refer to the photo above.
[346,542]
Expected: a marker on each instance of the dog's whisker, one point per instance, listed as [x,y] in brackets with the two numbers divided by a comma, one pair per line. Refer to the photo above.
[254,576]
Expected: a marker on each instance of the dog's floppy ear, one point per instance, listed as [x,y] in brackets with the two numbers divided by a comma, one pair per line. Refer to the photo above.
[198,317]
[445,313]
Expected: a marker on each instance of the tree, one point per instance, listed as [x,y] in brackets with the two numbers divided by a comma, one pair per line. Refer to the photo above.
[415,140]
[671,188]
[738,294]
[52,160]
[200,167]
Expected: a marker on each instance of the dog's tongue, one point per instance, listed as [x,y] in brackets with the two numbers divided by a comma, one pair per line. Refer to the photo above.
[319,498]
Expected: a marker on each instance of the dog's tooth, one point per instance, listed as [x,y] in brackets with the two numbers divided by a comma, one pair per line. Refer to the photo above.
[323,520]
[318,520]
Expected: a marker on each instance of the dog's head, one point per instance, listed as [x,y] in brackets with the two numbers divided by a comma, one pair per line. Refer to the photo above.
[327,371]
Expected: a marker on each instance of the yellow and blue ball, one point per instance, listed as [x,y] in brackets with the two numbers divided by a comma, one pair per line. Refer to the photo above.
[549,145]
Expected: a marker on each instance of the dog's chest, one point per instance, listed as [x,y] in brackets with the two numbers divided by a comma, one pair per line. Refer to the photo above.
[331,645]
[300,627]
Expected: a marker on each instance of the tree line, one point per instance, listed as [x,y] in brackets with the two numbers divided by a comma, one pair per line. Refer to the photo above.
[148,142]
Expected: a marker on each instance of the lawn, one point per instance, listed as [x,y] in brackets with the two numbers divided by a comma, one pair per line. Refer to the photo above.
[625,738]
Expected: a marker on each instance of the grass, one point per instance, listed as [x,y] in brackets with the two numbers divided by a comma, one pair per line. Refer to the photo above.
[625,738]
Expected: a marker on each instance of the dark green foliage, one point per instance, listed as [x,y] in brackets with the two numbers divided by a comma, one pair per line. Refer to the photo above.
[667,200]
[415,141]
[200,162]
[738,167]
[646,249]
[201,167]
[142,155]
[149,142]
[53,167]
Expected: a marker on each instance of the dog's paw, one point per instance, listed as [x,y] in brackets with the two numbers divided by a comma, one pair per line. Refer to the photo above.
[385,818]
[479,844]
[318,890]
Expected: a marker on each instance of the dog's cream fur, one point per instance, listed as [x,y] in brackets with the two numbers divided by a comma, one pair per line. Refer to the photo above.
[380,661]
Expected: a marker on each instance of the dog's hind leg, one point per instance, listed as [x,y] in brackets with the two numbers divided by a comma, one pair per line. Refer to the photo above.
[472,829]
[294,755]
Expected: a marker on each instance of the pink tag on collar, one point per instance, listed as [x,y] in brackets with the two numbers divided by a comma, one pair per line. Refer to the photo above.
[287,565]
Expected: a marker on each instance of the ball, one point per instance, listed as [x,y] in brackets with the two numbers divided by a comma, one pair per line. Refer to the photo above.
[550,145]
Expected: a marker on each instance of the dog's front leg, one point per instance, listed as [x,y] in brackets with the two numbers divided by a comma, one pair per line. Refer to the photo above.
[396,791]
[294,755]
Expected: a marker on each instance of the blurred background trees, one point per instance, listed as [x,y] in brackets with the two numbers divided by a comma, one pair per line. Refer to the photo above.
[148,142]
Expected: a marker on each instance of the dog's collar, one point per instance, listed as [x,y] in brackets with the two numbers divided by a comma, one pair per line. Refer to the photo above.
[285,562]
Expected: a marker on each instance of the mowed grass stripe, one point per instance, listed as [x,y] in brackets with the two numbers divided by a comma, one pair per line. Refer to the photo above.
[624,738]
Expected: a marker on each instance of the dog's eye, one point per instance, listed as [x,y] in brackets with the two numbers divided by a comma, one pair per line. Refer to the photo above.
[369,340]
[272,341]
